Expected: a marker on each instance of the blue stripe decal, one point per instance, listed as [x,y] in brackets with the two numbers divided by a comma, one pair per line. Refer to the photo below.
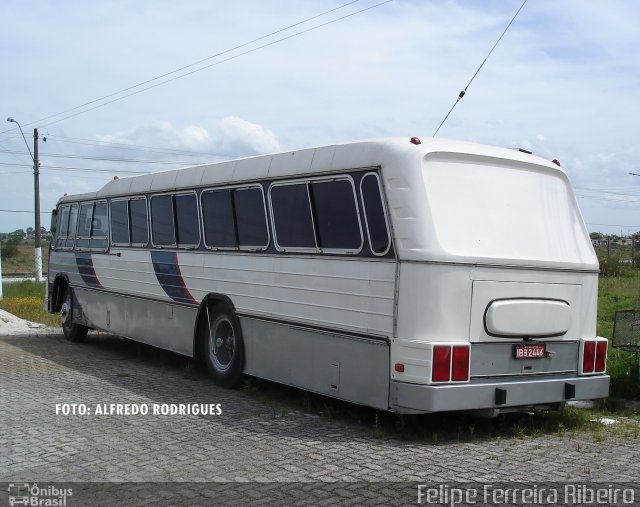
[86,269]
[165,265]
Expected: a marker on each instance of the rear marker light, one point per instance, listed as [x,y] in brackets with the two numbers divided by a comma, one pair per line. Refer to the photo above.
[460,365]
[588,357]
[441,364]
[415,140]
[399,367]
[601,356]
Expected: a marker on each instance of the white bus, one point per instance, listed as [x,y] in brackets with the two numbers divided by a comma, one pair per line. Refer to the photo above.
[406,276]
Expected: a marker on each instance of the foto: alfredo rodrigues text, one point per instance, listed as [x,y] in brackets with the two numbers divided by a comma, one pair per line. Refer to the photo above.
[111,409]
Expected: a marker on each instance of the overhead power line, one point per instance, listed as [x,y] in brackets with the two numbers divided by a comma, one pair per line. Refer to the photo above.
[20,211]
[106,159]
[132,147]
[613,225]
[463,92]
[100,102]
[603,198]
[65,168]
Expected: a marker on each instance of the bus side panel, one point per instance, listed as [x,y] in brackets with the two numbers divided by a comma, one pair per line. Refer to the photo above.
[157,323]
[345,367]
[353,295]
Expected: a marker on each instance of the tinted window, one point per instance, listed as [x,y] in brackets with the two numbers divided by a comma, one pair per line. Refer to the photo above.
[217,213]
[138,219]
[187,223]
[292,216]
[84,220]
[99,226]
[162,220]
[63,227]
[73,220]
[251,221]
[374,213]
[119,222]
[336,215]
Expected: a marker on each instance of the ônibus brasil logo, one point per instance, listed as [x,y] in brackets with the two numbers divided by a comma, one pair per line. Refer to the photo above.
[33,495]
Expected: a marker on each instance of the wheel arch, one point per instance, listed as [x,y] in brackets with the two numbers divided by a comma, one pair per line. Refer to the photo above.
[60,285]
[211,299]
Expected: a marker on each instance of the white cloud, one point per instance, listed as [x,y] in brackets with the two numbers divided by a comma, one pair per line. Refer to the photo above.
[163,134]
[245,138]
[231,137]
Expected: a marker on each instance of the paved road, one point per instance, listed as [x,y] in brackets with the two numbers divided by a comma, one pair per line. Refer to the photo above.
[248,442]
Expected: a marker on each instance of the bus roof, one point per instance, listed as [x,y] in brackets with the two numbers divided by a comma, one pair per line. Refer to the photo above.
[309,161]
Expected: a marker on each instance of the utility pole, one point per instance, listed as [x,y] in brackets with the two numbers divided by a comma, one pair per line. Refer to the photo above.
[36,191]
[36,188]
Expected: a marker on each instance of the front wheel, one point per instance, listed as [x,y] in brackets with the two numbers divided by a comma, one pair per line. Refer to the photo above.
[224,352]
[72,332]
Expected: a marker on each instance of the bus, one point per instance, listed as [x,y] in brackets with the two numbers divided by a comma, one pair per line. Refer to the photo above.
[405,275]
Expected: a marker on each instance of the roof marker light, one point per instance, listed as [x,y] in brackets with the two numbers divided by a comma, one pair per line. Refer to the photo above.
[556,162]
[415,140]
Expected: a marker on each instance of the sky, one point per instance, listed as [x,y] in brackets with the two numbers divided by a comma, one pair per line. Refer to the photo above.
[564,82]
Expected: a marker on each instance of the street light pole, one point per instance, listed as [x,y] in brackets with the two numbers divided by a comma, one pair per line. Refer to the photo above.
[36,187]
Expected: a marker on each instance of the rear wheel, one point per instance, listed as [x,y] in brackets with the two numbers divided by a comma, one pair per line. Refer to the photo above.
[224,350]
[72,332]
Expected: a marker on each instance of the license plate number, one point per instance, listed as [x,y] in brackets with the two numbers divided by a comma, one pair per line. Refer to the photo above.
[529,351]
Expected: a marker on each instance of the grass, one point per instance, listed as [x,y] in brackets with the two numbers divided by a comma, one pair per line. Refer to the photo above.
[619,293]
[24,261]
[25,300]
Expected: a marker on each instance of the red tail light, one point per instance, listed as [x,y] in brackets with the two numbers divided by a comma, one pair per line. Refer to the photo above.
[441,364]
[588,357]
[601,356]
[460,365]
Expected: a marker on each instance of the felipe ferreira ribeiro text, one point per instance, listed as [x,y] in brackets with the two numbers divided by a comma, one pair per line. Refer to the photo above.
[139,409]
[567,494]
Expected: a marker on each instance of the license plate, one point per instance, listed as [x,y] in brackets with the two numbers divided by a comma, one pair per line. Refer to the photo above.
[529,351]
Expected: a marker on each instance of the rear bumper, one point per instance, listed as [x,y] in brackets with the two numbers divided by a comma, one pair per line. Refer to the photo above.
[417,398]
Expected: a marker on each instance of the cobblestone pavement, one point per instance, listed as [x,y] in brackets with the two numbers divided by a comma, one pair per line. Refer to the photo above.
[248,441]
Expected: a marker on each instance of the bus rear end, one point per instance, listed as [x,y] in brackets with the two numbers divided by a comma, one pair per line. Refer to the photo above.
[497,285]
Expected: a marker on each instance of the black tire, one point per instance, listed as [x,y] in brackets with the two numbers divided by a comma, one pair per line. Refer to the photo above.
[224,348]
[73,332]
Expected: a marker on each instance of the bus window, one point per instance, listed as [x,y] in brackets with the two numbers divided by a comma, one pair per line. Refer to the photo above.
[292,216]
[63,226]
[187,226]
[336,215]
[251,220]
[84,225]
[217,215]
[120,222]
[162,229]
[139,221]
[376,222]
[73,221]
[99,226]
